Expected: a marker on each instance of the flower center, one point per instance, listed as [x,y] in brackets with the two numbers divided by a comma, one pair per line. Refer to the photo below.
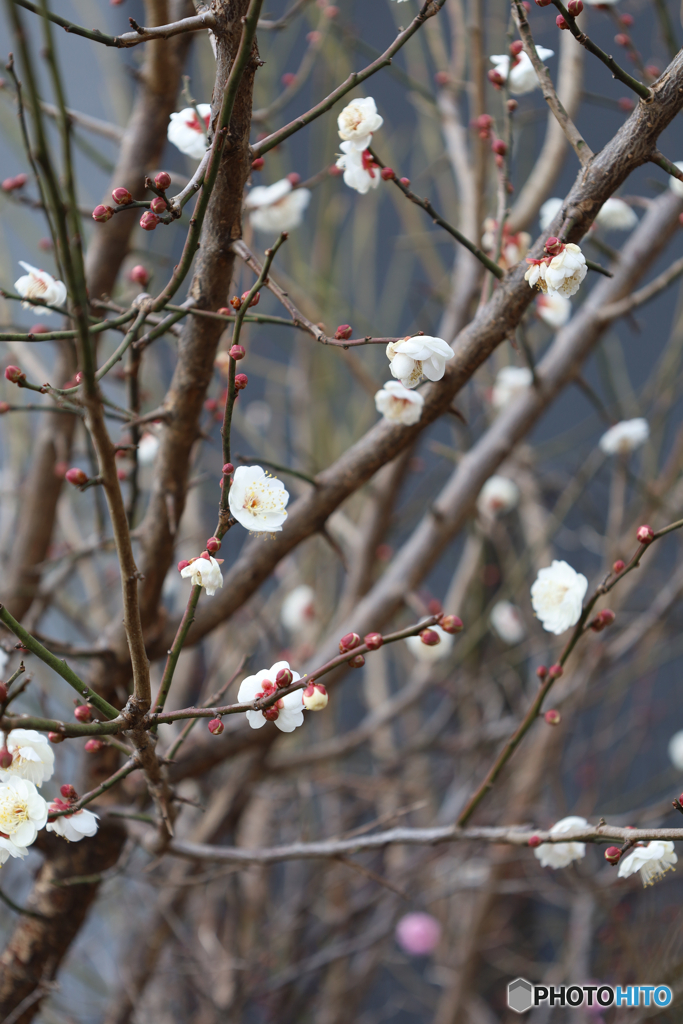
[13,812]
[195,123]
[262,501]
[36,286]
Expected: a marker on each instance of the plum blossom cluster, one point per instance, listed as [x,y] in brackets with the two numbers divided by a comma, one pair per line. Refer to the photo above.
[560,271]
[357,122]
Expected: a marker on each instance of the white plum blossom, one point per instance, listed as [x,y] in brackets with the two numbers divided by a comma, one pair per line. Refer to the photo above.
[554,310]
[38,284]
[426,653]
[298,608]
[674,183]
[497,496]
[287,713]
[72,827]
[185,130]
[22,813]
[414,358]
[514,246]
[510,382]
[360,170]
[147,449]
[625,437]
[257,500]
[616,215]
[653,861]
[522,77]
[399,404]
[204,572]
[550,209]
[676,750]
[357,121]
[508,623]
[559,855]
[557,595]
[561,274]
[32,757]
[278,207]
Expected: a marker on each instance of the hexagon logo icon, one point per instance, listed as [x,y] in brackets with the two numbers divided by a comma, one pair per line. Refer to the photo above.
[520,995]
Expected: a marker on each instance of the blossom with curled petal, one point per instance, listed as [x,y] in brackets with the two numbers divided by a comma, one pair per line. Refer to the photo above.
[557,596]
[616,215]
[561,274]
[399,404]
[278,207]
[287,712]
[185,130]
[22,813]
[360,170]
[204,572]
[625,437]
[653,861]
[559,855]
[414,358]
[32,757]
[510,382]
[38,284]
[357,121]
[554,310]
[497,496]
[521,76]
[257,500]
[72,827]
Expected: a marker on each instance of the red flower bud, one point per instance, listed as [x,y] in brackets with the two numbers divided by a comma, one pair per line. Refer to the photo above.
[627,104]
[235,302]
[56,737]
[148,221]
[535,841]
[5,758]
[373,641]
[553,246]
[495,78]
[158,205]
[552,717]
[93,746]
[430,637]
[357,661]
[102,213]
[68,791]
[182,564]
[237,352]
[163,180]
[541,672]
[555,671]
[83,713]
[499,147]
[626,20]
[14,374]
[228,468]
[348,642]
[621,39]
[258,164]
[255,300]
[285,677]
[607,616]
[241,381]
[618,566]
[213,544]
[122,196]
[271,714]
[575,7]
[645,534]
[451,624]
[343,332]
[404,181]
[612,854]
[387,174]
[561,21]
[76,477]
[512,106]
[216,727]
[516,47]
[3,693]
[140,275]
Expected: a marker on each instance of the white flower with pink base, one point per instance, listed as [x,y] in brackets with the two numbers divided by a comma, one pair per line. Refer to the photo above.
[560,271]
[186,132]
[72,827]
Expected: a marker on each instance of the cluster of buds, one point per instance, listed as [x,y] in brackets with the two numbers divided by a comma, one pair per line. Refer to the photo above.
[499,148]
[605,618]
[11,184]
[15,375]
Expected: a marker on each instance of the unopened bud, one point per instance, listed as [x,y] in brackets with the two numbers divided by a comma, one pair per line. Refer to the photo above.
[499,147]
[626,20]
[158,205]
[102,213]
[343,332]
[357,661]
[442,78]
[293,178]
[652,70]
[163,180]
[93,746]
[516,47]
[512,106]
[3,693]
[285,677]
[315,697]
[404,181]
[552,717]
[534,841]
[213,544]
[271,714]
[348,642]
[387,174]
[451,624]
[122,196]
[241,381]
[645,534]
[237,352]
[14,374]
[140,275]
[235,302]
[495,78]
[626,104]
[621,39]
[430,637]
[575,7]
[10,184]
[618,566]
[612,854]
[82,713]
[555,671]
[607,616]
[373,641]
[255,299]
[541,672]
[258,164]
[553,246]
[76,477]
[228,468]
[68,791]
[148,221]
[224,311]
[5,758]
[182,564]
[561,21]
[56,737]
[216,727]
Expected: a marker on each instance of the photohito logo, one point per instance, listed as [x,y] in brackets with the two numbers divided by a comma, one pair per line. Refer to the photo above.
[522,995]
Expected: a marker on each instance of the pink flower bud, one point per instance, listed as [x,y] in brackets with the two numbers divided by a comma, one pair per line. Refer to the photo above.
[618,566]
[56,737]
[575,7]
[404,181]
[348,642]
[163,180]
[516,47]
[4,407]
[158,205]
[68,791]
[627,104]
[293,178]
[76,477]
[5,758]
[621,39]
[285,677]
[612,854]
[343,332]
[387,174]
[10,184]
[534,841]
[561,21]
[213,544]
[228,468]
[645,534]
[83,713]
[102,213]
[418,934]
[626,20]
[499,147]
[216,727]
[357,662]
[237,352]
[553,246]
[555,671]
[93,746]
[607,616]
[451,624]
[140,275]
[541,672]
[14,374]
[182,564]
[430,637]
[373,641]
[148,221]
[122,196]
[3,693]
[315,697]
[495,78]
[552,717]
[271,714]
[241,381]
[224,311]
[258,164]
